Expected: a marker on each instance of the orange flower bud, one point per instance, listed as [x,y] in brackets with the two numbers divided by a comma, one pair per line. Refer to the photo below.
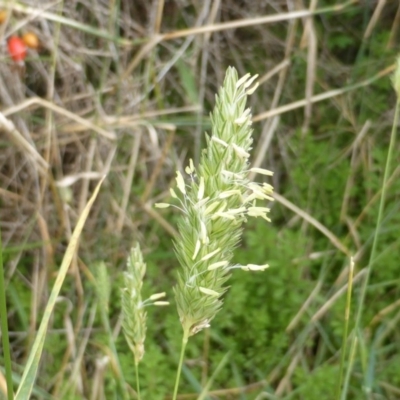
[31,40]
[3,16]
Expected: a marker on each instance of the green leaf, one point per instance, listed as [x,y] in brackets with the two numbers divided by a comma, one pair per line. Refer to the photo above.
[188,81]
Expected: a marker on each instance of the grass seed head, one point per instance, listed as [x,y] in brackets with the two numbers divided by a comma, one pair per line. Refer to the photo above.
[214,207]
[133,307]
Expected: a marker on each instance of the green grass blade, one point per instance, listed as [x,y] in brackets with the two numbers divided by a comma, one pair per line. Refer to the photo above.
[188,81]
[372,256]
[346,329]
[221,365]
[4,327]
[29,375]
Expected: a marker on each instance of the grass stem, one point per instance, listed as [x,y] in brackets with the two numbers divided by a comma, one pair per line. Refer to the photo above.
[120,380]
[375,240]
[185,338]
[4,327]
[346,329]
[137,379]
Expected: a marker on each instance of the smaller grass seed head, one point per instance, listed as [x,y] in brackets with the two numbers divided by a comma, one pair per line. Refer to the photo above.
[133,307]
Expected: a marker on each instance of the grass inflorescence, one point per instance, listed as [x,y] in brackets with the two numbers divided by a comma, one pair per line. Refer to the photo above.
[216,202]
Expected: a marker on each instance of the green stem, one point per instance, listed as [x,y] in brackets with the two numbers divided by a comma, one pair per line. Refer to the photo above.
[375,240]
[120,379]
[345,330]
[185,338]
[4,328]
[137,379]
[352,356]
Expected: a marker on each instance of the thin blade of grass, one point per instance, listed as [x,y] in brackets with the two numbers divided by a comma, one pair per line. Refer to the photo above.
[346,330]
[31,368]
[323,96]
[4,327]
[221,365]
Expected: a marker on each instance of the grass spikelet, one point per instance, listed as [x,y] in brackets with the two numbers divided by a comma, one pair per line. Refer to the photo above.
[134,315]
[133,307]
[215,204]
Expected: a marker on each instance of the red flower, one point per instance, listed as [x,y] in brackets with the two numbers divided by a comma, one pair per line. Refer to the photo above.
[16,49]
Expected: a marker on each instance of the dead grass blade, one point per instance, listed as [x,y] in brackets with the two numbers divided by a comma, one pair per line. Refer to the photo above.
[62,111]
[311,220]
[31,368]
[323,96]
[26,147]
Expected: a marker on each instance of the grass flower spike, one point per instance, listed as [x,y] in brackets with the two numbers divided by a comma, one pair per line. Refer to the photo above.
[216,202]
[133,308]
